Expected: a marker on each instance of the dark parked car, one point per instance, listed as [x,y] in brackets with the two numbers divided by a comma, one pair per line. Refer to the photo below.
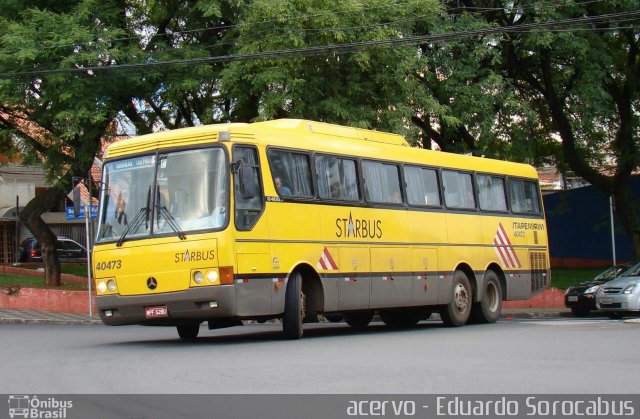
[68,251]
[581,299]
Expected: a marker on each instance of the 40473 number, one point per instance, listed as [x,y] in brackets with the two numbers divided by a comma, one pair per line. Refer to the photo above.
[112,264]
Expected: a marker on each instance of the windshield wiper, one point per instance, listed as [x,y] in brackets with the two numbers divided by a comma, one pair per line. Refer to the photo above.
[143,214]
[171,220]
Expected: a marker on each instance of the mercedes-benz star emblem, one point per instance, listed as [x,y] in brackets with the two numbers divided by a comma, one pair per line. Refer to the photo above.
[152,283]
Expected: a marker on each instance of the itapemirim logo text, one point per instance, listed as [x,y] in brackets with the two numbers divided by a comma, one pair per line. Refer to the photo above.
[24,406]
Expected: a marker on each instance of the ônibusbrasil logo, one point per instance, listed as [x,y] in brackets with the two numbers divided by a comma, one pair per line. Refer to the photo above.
[24,406]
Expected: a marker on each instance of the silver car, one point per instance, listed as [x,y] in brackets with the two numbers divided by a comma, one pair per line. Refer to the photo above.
[621,295]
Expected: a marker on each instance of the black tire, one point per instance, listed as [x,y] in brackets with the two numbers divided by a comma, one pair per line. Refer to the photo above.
[614,315]
[580,311]
[489,308]
[359,319]
[457,311]
[188,331]
[334,318]
[401,318]
[293,318]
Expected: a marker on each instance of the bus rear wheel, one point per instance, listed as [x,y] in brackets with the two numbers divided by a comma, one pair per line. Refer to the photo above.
[294,308]
[489,308]
[359,319]
[456,312]
[188,331]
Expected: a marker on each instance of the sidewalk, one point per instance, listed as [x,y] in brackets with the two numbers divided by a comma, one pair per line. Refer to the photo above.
[37,316]
[48,317]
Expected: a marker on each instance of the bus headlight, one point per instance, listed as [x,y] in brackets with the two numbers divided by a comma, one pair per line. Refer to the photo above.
[198,277]
[111,285]
[102,286]
[212,276]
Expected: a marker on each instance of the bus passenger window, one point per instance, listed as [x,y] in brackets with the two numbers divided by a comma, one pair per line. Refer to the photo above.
[491,193]
[291,173]
[422,186]
[383,182]
[337,178]
[458,190]
[523,196]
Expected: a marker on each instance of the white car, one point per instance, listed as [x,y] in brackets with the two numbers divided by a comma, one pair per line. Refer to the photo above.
[620,296]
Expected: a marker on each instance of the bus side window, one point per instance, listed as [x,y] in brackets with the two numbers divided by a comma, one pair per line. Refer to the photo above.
[458,190]
[382,181]
[247,210]
[523,196]
[422,186]
[337,178]
[291,173]
[491,193]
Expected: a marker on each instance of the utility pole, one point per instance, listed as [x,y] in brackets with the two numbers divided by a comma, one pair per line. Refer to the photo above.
[613,230]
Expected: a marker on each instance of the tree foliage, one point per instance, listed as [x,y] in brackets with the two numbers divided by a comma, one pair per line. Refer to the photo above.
[563,95]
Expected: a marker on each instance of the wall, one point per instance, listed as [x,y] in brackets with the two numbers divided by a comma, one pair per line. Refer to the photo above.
[579,228]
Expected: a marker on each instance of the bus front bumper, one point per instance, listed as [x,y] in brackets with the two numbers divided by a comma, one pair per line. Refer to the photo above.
[202,303]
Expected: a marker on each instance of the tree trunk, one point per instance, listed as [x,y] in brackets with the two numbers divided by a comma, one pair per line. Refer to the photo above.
[30,215]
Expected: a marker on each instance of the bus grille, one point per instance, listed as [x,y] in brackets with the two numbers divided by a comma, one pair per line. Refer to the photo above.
[539,271]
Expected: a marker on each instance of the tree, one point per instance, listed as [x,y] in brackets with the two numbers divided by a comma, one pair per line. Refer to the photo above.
[364,88]
[585,86]
[59,120]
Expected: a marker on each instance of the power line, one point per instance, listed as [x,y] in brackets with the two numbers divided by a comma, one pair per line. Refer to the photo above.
[344,47]
[514,8]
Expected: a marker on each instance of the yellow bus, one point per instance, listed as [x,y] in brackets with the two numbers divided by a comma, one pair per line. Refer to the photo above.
[293,219]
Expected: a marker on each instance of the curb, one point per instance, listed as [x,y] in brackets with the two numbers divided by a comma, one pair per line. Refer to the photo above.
[87,322]
[535,315]
[26,316]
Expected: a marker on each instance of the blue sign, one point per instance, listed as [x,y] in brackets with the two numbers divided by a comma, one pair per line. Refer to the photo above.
[92,214]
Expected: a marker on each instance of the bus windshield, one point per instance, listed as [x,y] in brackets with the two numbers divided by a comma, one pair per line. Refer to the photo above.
[168,193]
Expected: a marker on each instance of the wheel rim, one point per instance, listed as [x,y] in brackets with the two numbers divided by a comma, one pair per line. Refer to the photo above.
[461,298]
[491,297]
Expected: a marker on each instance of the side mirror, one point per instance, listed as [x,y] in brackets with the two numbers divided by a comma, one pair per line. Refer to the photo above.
[248,182]
[76,201]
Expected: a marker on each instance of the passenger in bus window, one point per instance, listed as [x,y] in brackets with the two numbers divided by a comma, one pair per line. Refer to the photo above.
[119,191]
[282,189]
[220,211]
[335,191]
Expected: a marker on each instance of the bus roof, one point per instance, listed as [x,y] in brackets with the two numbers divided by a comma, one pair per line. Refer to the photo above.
[316,136]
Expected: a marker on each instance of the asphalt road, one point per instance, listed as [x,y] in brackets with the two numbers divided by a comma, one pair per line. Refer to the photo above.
[513,356]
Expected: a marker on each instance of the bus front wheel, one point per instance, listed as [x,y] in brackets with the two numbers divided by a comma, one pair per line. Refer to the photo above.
[188,331]
[358,319]
[293,308]
[456,312]
[489,308]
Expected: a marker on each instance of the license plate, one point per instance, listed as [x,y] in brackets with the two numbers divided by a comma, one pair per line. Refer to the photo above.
[572,298]
[158,311]
[606,301]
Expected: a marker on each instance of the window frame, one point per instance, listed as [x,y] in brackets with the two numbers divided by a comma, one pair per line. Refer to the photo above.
[473,187]
[401,183]
[359,179]
[439,189]
[536,183]
[504,190]
[310,156]
[260,184]
[156,154]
